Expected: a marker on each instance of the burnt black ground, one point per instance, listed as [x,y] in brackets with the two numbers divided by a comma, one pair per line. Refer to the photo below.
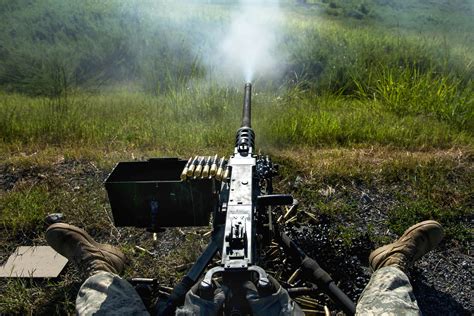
[443,282]
[442,279]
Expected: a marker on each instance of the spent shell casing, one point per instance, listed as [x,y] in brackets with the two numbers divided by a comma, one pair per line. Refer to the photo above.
[220,169]
[205,169]
[184,174]
[213,170]
[294,276]
[198,170]
[192,167]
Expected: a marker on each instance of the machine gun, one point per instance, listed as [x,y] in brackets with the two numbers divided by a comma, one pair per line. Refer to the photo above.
[238,193]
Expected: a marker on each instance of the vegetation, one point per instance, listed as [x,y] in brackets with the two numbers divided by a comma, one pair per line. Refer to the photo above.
[373,97]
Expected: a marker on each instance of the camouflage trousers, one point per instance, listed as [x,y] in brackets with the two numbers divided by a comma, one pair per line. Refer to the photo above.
[388,292]
[106,293]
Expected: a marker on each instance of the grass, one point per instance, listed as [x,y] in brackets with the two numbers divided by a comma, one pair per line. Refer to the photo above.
[407,186]
[23,210]
[374,97]
[343,81]
[190,119]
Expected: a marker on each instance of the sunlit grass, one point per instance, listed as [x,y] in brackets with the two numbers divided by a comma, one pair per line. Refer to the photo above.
[200,117]
[24,210]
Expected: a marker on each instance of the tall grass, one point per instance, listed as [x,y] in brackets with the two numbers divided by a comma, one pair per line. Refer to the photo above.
[410,91]
[201,117]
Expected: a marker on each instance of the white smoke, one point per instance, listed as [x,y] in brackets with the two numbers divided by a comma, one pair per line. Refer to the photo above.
[248,47]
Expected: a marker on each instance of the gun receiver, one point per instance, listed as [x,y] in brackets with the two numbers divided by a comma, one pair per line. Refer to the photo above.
[239,247]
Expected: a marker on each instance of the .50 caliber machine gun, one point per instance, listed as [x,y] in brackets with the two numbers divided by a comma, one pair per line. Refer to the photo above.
[238,193]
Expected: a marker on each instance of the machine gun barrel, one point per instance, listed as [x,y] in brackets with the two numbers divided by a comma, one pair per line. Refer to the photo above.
[246,112]
[245,139]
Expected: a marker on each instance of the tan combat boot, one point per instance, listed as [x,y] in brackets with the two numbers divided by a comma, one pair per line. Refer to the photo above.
[412,245]
[78,246]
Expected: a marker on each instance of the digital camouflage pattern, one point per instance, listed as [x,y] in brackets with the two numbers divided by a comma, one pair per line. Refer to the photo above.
[388,292]
[106,293]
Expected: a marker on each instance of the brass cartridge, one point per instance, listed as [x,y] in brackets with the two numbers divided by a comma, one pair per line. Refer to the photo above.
[192,167]
[220,170]
[213,170]
[226,175]
[198,170]
[205,170]
[185,170]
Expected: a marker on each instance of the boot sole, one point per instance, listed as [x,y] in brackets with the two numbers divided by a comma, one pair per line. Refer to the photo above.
[377,252]
[103,247]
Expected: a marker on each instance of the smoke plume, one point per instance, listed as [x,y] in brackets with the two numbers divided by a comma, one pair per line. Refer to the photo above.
[247,47]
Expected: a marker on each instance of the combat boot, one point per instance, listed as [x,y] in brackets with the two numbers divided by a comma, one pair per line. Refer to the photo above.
[79,247]
[412,245]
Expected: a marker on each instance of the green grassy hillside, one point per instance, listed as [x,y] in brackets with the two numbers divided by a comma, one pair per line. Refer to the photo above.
[360,80]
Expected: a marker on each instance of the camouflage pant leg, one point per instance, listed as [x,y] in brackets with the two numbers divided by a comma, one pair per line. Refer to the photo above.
[105,293]
[389,292]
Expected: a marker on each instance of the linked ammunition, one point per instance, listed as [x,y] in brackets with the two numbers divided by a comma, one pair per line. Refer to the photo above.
[220,170]
[198,170]
[205,170]
[213,170]
[185,170]
[192,167]
[226,175]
